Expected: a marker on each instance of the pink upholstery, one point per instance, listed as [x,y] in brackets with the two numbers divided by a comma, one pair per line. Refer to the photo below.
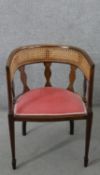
[49,101]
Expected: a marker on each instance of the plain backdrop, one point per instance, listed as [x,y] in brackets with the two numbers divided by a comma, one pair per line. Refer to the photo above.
[71,22]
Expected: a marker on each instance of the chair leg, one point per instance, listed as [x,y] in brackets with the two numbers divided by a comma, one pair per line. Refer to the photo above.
[88,136]
[24,128]
[71,127]
[12,140]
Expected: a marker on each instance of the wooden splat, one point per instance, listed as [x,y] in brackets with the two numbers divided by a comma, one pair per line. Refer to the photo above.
[72,77]
[47,73]
[23,78]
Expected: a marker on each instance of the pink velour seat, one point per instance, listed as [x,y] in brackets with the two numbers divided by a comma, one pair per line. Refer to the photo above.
[49,101]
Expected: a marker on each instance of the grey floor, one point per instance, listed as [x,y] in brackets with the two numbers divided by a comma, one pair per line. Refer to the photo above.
[48,149]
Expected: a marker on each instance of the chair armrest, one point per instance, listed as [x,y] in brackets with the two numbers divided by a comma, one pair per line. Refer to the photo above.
[90,90]
[9,89]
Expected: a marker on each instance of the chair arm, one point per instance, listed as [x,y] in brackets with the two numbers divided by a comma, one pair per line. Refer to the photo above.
[90,90]
[9,89]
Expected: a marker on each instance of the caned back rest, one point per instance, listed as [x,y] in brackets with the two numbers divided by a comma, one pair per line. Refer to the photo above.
[47,54]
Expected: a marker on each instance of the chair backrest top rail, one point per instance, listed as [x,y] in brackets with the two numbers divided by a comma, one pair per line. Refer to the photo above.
[50,53]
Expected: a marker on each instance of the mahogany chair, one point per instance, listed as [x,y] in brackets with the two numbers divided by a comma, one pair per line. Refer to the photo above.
[50,104]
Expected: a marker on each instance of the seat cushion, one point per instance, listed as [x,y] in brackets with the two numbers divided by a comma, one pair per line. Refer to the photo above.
[49,101]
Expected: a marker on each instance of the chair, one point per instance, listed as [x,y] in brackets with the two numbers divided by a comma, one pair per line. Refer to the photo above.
[50,104]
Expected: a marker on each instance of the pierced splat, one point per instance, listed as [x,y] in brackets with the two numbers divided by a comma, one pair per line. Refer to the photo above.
[47,73]
[72,77]
[23,78]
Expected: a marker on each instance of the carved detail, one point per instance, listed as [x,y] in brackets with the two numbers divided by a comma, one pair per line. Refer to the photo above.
[72,77]
[47,73]
[23,78]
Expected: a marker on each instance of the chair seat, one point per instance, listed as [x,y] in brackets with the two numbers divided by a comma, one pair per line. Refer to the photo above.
[49,101]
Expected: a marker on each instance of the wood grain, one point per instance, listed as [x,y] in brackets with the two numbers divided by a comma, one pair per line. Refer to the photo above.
[23,78]
[72,77]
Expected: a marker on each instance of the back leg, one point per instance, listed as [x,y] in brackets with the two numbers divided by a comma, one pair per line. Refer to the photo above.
[24,128]
[71,127]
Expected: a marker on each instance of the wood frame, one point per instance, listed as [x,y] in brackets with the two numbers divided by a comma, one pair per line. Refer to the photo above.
[77,58]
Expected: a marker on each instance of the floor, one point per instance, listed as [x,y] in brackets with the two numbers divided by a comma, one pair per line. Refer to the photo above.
[48,149]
